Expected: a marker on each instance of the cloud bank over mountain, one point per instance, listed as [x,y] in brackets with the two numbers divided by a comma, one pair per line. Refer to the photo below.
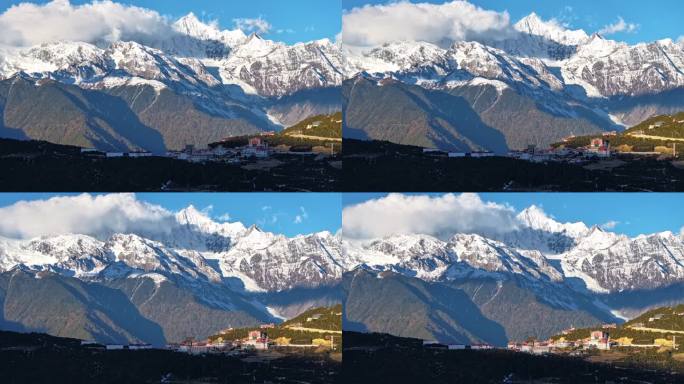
[398,214]
[97,216]
[100,21]
[619,26]
[441,24]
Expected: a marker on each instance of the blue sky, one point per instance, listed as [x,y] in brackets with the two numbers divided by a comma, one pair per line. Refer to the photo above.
[633,214]
[656,19]
[297,20]
[273,212]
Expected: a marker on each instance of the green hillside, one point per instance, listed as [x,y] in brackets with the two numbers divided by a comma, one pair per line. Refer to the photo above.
[327,132]
[656,134]
[671,320]
[330,319]
[321,126]
[671,126]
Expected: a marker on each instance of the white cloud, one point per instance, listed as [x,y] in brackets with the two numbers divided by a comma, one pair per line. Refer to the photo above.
[681,233]
[206,211]
[303,215]
[680,40]
[609,225]
[438,216]
[441,24]
[224,217]
[258,25]
[28,24]
[270,219]
[98,216]
[619,26]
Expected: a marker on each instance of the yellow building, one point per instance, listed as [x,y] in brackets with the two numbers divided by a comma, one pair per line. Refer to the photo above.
[321,342]
[624,341]
[663,342]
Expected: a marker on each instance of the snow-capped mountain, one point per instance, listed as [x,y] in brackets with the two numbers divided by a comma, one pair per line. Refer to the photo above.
[464,63]
[539,278]
[607,262]
[542,54]
[195,278]
[569,81]
[197,250]
[540,39]
[198,53]
[198,85]
[540,249]
[462,256]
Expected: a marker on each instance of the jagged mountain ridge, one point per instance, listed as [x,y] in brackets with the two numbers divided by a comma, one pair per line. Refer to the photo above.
[199,85]
[195,249]
[596,84]
[194,277]
[603,68]
[264,67]
[539,250]
[535,280]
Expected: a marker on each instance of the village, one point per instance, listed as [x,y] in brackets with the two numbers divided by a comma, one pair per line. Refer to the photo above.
[225,151]
[307,332]
[256,340]
[598,148]
[598,339]
[601,340]
[316,136]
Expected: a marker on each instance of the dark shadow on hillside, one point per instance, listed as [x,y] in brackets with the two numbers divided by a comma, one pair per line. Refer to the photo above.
[116,306]
[12,133]
[459,307]
[397,304]
[305,103]
[353,326]
[638,301]
[8,325]
[354,133]
[643,107]
[7,132]
[119,116]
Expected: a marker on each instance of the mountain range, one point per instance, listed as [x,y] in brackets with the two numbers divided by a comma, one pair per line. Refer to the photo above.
[199,276]
[197,86]
[542,84]
[535,280]
[194,279]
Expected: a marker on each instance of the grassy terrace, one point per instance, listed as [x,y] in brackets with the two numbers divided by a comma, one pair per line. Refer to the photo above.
[330,318]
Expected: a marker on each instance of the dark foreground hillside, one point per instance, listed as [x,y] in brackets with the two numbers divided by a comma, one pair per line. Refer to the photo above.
[43,167]
[380,358]
[382,166]
[39,358]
